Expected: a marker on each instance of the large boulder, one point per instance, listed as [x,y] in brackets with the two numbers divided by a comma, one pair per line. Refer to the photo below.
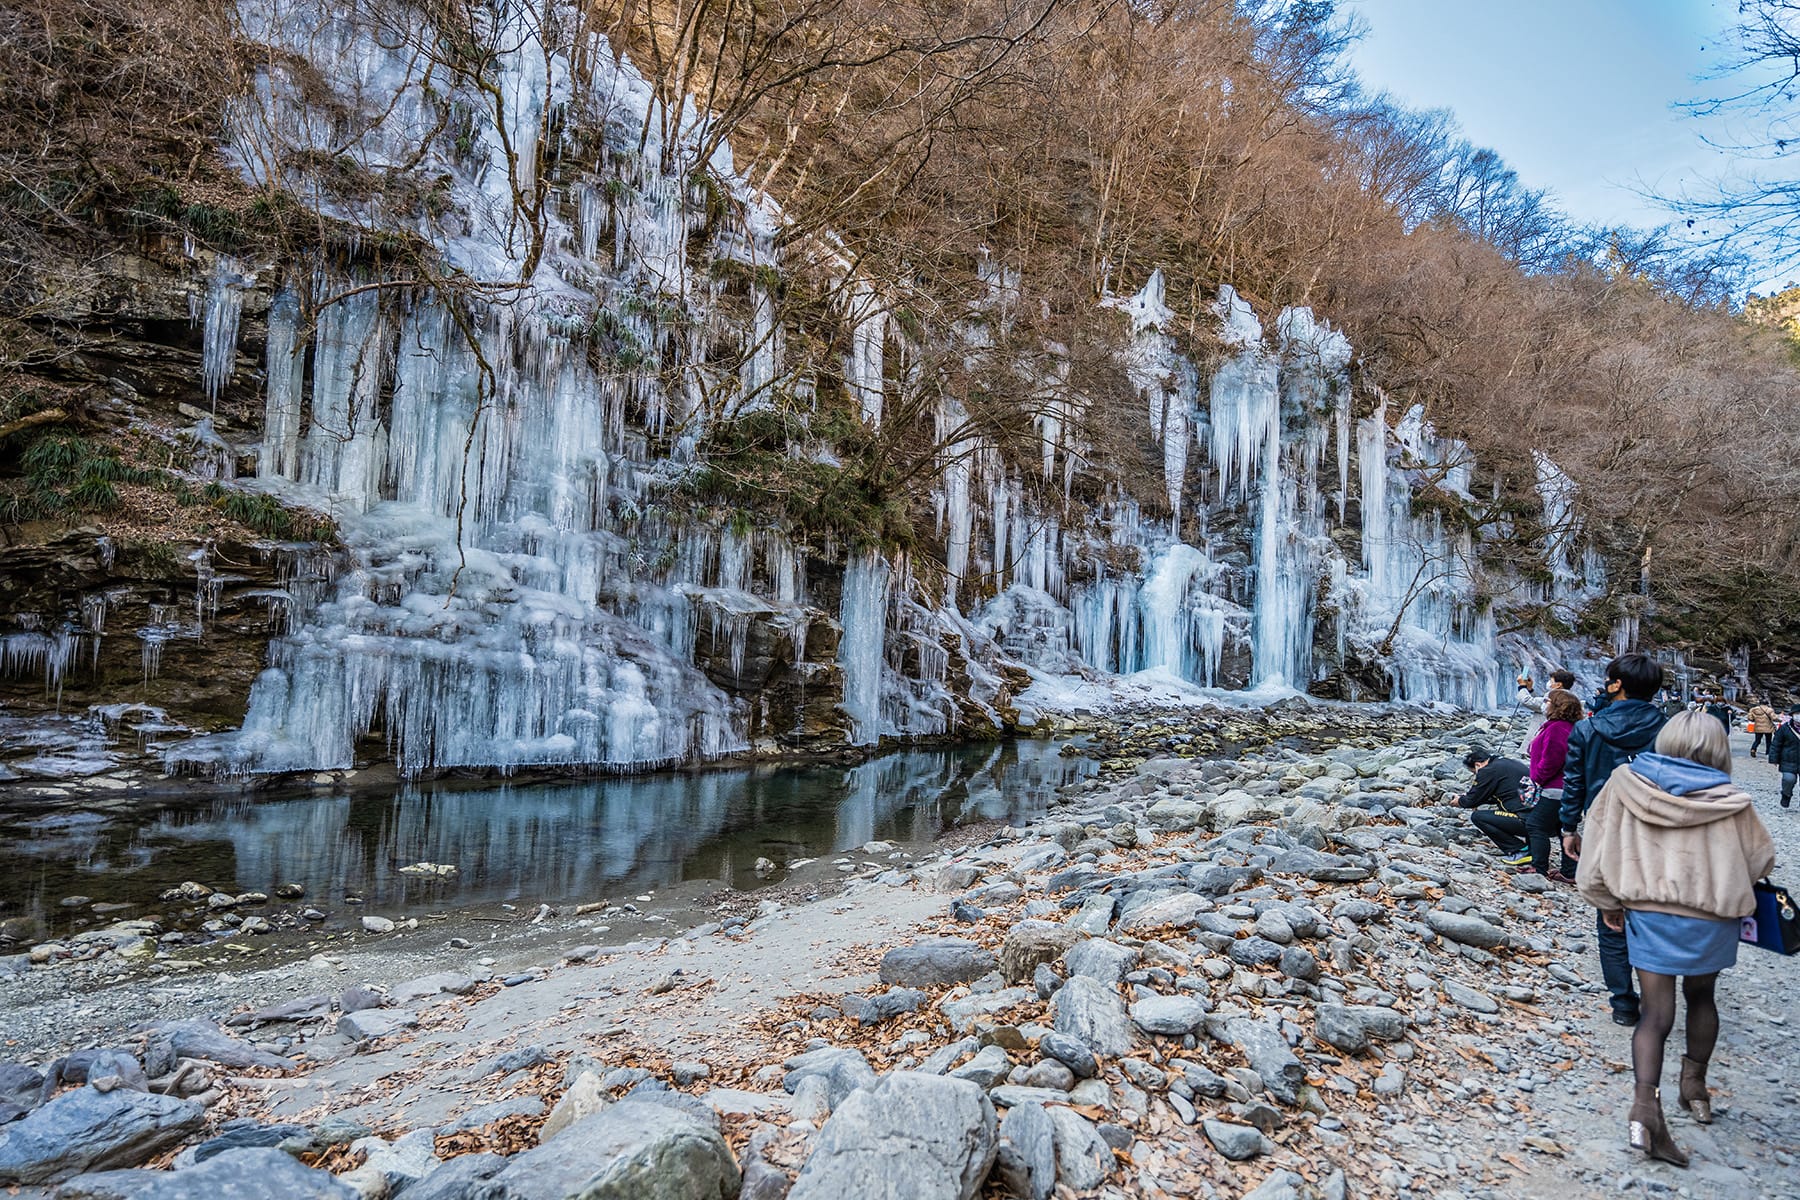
[626,1151]
[915,1137]
[1170,1016]
[1082,1155]
[844,1071]
[85,1130]
[936,963]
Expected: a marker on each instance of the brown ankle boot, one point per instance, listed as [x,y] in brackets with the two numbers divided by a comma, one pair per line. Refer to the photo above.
[1650,1133]
[1694,1096]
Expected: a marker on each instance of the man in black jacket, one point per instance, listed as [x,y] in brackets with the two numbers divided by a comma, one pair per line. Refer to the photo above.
[1784,752]
[1625,728]
[1497,783]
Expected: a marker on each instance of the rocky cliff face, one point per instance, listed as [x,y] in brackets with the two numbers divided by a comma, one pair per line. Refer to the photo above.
[540,558]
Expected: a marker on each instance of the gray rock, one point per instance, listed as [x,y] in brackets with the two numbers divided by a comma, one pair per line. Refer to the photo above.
[915,1137]
[1045,981]
[440,983]
[113,1069]
[1236,1142]
[203,1039]
[400,1163]
[1254,952]
[1313,864]
[85,1130]
[106,1185]
[1282,1185]
[508,1061]
[1470,998]
[626,1151]
[1071,1052]
[1100,959]
[1466,928]
[843,1071]
[986,1069]
[1351,1027]
[1026,1161]
[1094,1014]
[357,997]
[1029,943]
[456,1179]
[368,1023]
[20,1084]
[1297,962]
[300,1008]
[1051,1074]
[892,1003]
[936,963]
[253,1135]
[1268,1054]
[499,1110]
[1170,1016]
[1082,1157]
[243,1174]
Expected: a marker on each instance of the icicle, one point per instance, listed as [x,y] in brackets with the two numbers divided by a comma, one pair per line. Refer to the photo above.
[863,615]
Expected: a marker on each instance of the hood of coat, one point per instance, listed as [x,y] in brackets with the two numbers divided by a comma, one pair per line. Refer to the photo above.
[1654,805]
[1628,726]
[1678,776]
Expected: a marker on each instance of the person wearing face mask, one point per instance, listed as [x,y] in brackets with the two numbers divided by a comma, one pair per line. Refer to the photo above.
[1617,733]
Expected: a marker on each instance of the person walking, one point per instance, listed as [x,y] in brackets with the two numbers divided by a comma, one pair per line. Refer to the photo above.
[1549,752]
[1624,728]
[1721,712]
[1497,782]
[1762,726]
[1785,754]
[1670,856]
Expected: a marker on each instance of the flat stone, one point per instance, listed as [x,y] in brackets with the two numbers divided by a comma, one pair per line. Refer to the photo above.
[1470,998]
[986,1069]
[242,1174]
[439,983]
[844,1072]
[1099,959]
[1268,1054]
[457,1179]
[1351,1027]
[375,1022]
[196,1038]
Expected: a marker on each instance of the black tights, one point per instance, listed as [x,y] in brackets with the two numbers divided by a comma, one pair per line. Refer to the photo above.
[1657,1020]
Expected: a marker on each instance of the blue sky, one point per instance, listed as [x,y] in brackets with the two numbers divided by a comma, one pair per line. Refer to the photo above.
[1575,95]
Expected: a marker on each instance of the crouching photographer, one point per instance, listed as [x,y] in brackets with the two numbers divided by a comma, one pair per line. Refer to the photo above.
[1498,782]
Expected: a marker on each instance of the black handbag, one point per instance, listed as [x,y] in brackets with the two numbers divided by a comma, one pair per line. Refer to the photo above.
[1775,925]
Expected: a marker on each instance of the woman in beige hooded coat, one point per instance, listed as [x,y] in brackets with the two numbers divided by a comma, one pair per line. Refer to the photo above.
[1669,854]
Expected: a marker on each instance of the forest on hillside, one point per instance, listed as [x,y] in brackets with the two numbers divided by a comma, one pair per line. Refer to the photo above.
[1067,149]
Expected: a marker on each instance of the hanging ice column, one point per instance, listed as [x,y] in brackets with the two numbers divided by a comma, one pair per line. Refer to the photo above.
[862,652]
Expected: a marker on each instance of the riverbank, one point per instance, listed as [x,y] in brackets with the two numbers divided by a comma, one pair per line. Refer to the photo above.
[1299,972]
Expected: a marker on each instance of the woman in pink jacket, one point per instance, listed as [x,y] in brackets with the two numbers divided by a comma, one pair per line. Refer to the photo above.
[1670,853]
[1549,750]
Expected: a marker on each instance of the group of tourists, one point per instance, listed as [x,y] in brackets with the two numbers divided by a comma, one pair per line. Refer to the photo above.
[1654,834]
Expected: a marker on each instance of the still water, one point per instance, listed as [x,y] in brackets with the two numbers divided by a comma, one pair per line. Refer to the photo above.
[555,842]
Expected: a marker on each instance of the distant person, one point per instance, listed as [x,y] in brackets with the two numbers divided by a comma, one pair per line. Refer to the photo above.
[1497,782]
[1761,721]
[1721,712]
[1785,754]
[1624,728]
[1525,695]
[1672,705]
[1671,852]
[1600,699]
[1549,752]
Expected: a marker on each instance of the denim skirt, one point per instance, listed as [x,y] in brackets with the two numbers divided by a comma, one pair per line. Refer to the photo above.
[1673,945]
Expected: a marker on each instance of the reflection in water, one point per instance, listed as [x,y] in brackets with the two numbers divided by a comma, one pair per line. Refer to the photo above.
[525,842]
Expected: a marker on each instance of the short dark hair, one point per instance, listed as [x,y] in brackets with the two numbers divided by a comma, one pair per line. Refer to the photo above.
[1638,674]
[1564,676]
[1476,754]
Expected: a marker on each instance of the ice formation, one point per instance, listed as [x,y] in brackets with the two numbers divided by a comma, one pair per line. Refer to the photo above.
[491,442]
